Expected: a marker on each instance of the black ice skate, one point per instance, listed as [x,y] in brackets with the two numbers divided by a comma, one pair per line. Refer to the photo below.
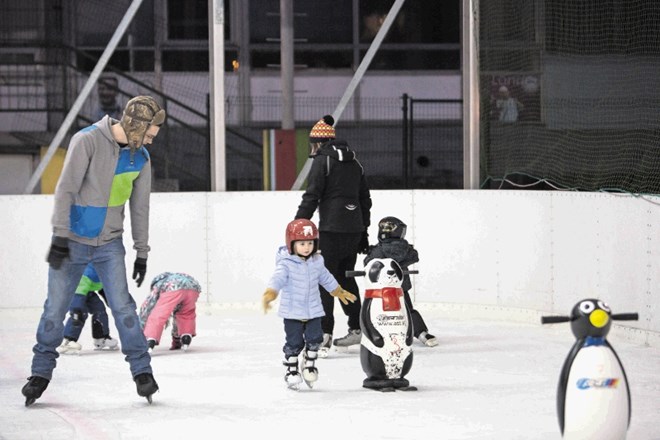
[309,372]
[151,344]
[185,342]
[292,376]
[146,385]
[34,389]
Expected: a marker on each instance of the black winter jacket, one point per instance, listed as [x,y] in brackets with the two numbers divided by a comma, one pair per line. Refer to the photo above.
[337,186]
[397,249]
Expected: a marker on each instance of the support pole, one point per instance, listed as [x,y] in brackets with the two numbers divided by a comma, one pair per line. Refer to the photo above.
[471,139]
[217,91]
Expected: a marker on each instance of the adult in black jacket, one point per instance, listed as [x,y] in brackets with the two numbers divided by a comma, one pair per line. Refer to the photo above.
[337,186]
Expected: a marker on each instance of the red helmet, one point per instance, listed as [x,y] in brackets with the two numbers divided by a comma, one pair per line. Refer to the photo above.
[301,229]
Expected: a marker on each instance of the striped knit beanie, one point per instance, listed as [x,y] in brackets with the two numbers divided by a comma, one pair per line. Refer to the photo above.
[323,130]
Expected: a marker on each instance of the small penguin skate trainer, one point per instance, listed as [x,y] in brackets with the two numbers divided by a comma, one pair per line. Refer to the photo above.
[593,397]
[310,373]
[69,347]
[185,342]
[146,385]
[34,389]
[292,376]
[387,334]
[105,342]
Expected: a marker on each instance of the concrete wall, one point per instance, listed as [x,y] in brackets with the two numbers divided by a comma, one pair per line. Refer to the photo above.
[516,250]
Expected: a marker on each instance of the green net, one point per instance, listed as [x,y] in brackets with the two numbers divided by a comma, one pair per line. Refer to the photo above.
[570,94]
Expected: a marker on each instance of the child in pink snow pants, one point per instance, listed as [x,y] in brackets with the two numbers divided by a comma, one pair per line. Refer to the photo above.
[173,295]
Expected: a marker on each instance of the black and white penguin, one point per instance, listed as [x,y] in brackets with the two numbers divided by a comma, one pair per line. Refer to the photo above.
[593,398]
[386,324]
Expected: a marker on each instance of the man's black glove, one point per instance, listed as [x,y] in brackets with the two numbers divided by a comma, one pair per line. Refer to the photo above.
[363,246]
[59,250]
[139,270]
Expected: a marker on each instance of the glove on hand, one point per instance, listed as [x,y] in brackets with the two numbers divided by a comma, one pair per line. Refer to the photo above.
[269,296]
[363,246]
[343,295]
[59,250]
[139,270]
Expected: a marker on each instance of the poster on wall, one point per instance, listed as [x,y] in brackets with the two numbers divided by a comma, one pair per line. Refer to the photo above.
[515,98]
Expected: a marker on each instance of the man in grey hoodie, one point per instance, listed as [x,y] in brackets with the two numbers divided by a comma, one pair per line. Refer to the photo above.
[106,166]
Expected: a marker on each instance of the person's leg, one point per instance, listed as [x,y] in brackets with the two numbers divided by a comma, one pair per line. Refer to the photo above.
[109,263]
[62,284]
[294,343]
[313,334]
[186,317]
[167,302]
[419,326]
[100,323]
[313,337]
[347,263]
[78,312]
[326,244]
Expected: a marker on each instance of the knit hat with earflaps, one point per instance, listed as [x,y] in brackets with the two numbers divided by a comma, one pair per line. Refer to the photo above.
[323,130]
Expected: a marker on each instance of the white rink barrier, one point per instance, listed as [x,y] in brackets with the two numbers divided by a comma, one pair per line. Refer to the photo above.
[529,251]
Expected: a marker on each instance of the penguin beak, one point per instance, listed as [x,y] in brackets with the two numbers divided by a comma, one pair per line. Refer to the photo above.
[599,318]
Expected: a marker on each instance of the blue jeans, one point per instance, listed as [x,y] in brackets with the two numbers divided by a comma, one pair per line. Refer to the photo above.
[84,305]
[108,261]
[300,334]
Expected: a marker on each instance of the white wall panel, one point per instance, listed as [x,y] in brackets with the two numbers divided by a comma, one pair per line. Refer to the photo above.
[24,243]
[533,250]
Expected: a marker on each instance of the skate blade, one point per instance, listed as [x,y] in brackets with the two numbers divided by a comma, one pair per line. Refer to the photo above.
[150,399]
[310,379]
[342,348]
[185,347]
[30,400]
[323,353]
[71,352]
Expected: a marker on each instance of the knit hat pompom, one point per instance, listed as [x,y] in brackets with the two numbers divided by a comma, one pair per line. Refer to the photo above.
[323,130]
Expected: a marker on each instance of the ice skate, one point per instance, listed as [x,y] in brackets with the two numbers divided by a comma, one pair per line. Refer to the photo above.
[176,343]
[34,389]
[310,373]
[105,342]
[185,342]
[146,385]
[151,343]
[69,347]
[326,345]
[428,339]
[292,377]
[352,338]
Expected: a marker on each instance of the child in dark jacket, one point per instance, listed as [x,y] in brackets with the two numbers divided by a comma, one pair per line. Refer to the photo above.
[392,244]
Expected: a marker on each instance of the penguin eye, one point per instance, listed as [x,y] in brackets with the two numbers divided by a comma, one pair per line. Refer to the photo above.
[604,306]
[587,307]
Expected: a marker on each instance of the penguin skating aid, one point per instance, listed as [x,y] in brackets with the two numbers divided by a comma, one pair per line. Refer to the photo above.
[387,335]
[593,397]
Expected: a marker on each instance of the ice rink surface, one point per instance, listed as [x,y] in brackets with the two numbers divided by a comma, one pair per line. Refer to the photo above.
[487,379]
